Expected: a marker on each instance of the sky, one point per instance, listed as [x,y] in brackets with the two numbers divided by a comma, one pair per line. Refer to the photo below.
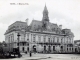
[61,12]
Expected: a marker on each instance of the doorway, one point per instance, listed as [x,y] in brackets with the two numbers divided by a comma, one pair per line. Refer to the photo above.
[34,48]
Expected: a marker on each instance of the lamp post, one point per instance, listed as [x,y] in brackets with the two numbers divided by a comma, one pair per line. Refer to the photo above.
[18,45]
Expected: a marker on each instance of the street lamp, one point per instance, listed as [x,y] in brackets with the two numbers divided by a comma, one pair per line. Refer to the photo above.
[18,45]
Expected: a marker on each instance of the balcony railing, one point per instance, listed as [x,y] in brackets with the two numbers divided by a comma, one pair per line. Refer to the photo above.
[48,43]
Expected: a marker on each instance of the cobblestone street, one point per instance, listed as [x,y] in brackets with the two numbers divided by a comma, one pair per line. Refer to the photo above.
[48,57]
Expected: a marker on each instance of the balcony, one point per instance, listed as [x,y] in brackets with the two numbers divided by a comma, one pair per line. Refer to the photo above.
[68,43]
[48,43]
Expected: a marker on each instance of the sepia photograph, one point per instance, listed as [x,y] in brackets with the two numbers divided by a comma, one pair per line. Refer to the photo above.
[39,29]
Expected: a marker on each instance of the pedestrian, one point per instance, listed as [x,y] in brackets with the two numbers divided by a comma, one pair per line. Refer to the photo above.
[30,54]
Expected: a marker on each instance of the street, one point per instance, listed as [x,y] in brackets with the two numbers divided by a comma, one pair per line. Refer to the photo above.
[48,57]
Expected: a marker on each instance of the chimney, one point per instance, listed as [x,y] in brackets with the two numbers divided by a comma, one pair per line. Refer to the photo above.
[27,21]
[60,26]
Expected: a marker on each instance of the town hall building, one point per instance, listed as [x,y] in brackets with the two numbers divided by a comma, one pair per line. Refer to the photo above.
[40,36]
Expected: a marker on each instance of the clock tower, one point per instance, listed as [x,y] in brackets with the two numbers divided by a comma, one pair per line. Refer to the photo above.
[45,19]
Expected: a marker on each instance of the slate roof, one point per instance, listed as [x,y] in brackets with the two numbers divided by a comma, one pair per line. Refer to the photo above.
[76,41]
[18,25]
[38,25]
[67,32]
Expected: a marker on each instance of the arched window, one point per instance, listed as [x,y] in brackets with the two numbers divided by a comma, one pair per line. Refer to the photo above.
[53,39]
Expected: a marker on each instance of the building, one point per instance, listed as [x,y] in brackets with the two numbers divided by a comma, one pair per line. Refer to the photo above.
[77,46]
[40,36]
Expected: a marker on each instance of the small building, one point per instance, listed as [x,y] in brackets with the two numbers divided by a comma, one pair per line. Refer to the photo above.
[77,46]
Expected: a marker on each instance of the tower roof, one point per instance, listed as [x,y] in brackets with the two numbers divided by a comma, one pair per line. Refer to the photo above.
[45,9]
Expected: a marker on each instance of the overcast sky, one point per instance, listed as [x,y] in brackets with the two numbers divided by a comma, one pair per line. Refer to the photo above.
[62,12]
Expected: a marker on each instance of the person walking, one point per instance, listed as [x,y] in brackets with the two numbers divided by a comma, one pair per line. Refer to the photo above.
[30,53]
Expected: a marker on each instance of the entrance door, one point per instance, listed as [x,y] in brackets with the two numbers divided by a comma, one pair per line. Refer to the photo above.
[53,48]
[61,48]
[44,48]
[49,49]
[34,48]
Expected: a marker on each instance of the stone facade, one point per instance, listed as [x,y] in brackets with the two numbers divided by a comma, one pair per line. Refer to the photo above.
[40,36]
[77,46]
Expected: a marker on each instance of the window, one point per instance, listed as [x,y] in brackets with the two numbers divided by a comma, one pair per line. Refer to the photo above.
[13,37]
[53,39]
[44,48]
[71,41]
[39,39]
[67,45]
[70,49]
[23,44]
[34,39]
[53,48]
[61,48]
[44,39]
[57,39]
[27,36]
[9,39]
[67,39]
[67,49]
[17,44]
[61,40]
[49,39]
